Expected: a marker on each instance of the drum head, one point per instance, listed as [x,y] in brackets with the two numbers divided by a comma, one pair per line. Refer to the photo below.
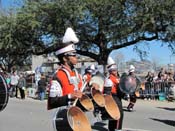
[99,80]
[98,97]
[86,102]
[128,84]
[111,107]
[3,93]
[78,119]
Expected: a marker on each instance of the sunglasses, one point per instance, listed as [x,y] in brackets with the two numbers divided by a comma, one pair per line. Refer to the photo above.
[71,54]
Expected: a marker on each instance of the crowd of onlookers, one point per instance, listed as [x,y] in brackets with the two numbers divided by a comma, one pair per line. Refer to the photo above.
[162,75]
[154,83]
[17,85]
[162,82]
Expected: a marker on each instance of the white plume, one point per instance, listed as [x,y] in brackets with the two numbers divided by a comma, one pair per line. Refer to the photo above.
[110,61]
[70,36]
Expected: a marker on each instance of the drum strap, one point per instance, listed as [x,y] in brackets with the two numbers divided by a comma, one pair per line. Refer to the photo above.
[72,80]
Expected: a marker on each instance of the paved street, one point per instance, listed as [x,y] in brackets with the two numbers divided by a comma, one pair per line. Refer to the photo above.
[32,115]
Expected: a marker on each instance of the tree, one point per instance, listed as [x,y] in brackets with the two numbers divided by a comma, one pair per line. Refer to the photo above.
[155,63]
[19,37]
[102,26]
[119,58]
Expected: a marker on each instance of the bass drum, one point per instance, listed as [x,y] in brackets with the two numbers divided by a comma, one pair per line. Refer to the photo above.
[71,119]
[129,84]
[4,96]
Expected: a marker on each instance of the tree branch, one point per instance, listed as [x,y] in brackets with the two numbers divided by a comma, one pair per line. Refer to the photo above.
[134,42]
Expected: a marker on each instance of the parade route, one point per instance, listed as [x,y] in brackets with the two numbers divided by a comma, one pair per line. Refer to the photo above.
[32,115]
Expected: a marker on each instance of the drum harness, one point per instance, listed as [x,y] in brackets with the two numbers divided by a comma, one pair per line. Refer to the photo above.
[74,80]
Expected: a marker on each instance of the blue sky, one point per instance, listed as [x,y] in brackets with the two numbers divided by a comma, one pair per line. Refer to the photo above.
[10,3]
[162,54]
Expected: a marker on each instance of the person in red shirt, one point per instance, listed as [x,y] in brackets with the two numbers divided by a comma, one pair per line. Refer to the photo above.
[111,86]
[66,83]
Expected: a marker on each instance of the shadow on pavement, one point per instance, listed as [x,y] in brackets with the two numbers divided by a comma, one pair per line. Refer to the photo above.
[168,122]
[167,108]
[99,126]
[126,110]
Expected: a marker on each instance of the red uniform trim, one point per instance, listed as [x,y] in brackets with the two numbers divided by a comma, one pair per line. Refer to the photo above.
[115,82]
[67,87]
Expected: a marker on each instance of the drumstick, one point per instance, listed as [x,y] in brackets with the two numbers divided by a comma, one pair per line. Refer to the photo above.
[82,89]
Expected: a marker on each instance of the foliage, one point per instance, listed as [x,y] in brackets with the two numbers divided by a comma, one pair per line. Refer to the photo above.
[17,39]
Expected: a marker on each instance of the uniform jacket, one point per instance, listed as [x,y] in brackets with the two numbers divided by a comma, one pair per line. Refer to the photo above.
[64,83]
[87,77]
[115,82]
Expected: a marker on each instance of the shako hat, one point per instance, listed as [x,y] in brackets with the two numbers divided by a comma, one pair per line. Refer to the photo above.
[131,68]
[68,42]
[111,65]
[90,68]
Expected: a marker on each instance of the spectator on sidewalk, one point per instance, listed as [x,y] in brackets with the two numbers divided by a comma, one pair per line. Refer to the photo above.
[7,78]
[42,87]
[13,84]
[161,74]
[22,86]
[149,90]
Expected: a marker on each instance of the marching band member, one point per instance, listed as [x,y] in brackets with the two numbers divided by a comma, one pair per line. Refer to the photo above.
[132,96]
[88,73]
[111,86]
[66,84]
